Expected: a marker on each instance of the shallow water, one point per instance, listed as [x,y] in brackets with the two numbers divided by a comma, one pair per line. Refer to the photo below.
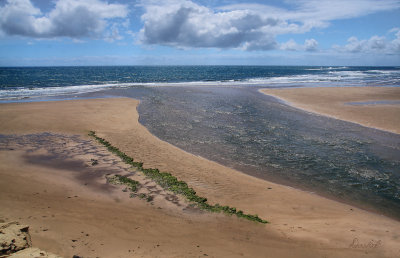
[256,134]
[216,112]
[374,102]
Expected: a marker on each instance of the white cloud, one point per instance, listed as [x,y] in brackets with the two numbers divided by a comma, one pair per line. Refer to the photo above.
[18,17]
[328,10]
[394,45]
[69,18]
[185,24]
[354,45]
[113,33]
[375,44]
[309,14]
[311,45]
[291,45]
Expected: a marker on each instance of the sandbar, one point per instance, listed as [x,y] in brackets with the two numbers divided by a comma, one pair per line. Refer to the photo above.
[74,212]
[376,107]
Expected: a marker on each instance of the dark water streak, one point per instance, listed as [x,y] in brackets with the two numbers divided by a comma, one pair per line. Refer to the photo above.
[241,128]
[256,134]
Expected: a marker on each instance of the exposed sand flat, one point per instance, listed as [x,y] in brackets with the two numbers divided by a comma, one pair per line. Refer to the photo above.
[333,102]
[302,224]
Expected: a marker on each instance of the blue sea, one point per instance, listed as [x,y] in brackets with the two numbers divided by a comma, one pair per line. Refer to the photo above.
[217,112]
[38,82]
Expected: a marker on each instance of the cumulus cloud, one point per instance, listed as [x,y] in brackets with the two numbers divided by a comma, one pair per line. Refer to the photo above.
[375,44]
[185,24]
[69,18]
[311,45]
[291,45]
[395,44]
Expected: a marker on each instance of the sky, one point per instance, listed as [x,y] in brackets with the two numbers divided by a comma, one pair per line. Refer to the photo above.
[199,32]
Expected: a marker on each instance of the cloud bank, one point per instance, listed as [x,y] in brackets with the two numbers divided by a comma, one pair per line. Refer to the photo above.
[69,18]
[185,24]
[188,24]
[375,44]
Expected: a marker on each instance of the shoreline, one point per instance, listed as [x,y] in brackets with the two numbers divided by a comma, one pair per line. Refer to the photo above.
[297,218]
[335,102]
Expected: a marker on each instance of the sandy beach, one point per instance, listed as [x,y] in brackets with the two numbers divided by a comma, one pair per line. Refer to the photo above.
[48,181]
[381,108]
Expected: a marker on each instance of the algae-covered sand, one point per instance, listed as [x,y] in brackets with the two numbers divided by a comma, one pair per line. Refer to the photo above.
[49,181]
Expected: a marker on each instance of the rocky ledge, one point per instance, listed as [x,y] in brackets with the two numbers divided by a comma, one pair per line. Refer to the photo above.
[15,242]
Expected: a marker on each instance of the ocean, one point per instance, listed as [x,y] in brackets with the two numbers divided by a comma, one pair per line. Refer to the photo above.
[38,82]
[217,112]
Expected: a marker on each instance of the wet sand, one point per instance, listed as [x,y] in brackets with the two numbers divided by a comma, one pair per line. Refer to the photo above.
[48,182]
[339,103]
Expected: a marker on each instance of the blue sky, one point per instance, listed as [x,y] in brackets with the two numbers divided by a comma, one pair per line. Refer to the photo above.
[176,32]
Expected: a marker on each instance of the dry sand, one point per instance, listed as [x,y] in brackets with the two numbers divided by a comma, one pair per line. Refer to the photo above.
[333,102]
[72,210]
